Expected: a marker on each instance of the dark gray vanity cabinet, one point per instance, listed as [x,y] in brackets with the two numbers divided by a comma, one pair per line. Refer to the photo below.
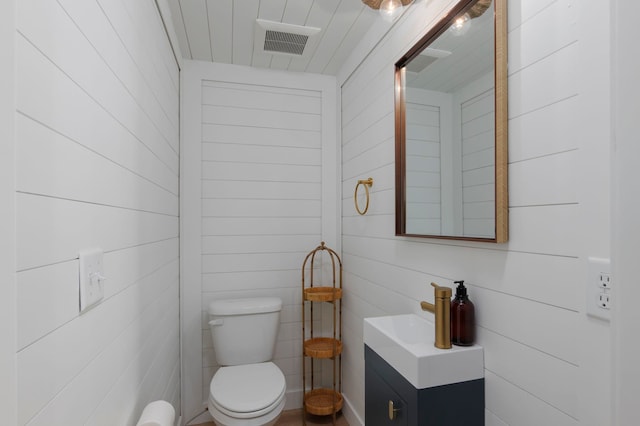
[390,400]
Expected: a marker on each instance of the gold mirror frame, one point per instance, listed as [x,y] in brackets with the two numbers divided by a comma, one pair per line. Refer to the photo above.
[501,127]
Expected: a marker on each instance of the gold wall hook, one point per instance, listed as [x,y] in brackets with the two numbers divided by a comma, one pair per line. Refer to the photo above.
[367,184]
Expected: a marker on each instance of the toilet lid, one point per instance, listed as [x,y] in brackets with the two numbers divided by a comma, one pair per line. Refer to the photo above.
[247,388]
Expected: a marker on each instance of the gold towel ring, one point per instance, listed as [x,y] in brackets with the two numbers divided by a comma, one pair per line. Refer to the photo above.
[367,183]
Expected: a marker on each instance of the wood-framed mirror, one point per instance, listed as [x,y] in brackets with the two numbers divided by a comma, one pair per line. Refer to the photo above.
[451,128]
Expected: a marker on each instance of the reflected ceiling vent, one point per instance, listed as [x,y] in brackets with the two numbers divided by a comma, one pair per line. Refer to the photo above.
[276,38]
[426,58]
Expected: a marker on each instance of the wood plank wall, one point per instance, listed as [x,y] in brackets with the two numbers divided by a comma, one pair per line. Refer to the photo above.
[261,203]
[476,106]
[97,155]
[8,333]
[424,173]
[259,193]
[543,354]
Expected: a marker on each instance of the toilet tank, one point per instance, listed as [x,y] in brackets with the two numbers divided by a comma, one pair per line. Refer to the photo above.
[244,331]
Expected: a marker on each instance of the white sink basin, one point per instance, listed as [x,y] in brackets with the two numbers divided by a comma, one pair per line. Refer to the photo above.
[406,343]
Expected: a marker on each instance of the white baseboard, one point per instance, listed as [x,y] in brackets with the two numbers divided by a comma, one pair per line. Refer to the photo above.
[204,417]
[294,402]
[350,414]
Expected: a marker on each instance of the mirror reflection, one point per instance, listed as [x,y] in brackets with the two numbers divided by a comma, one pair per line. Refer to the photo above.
[446,115]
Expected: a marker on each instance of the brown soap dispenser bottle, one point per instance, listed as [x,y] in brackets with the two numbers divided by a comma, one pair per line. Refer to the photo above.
[462,317]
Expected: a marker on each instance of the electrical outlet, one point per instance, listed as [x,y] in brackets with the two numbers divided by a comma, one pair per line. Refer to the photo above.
[604,280]
[604,300]
[599,283]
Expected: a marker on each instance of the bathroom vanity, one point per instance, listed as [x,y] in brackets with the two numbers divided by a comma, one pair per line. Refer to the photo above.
[410,382]
[391,400]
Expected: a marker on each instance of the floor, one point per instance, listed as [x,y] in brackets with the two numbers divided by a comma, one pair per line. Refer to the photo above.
[294,418]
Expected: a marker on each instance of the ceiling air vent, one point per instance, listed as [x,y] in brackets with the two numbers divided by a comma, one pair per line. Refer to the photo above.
[426,58]
[276,41]
[276,38]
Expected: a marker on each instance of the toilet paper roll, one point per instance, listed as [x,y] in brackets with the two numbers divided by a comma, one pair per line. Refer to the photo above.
[157,413]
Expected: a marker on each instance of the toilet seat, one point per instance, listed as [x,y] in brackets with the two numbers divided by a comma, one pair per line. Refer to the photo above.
[247,391]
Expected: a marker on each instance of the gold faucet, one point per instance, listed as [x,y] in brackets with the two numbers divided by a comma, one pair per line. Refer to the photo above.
[442,310]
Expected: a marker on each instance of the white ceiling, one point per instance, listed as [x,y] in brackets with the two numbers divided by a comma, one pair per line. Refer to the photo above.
[223,30]
[471,56]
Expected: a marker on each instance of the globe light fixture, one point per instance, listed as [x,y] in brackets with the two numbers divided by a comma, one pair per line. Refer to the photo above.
[389,9]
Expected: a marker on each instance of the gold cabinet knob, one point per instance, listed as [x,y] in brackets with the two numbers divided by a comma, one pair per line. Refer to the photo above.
[392,410]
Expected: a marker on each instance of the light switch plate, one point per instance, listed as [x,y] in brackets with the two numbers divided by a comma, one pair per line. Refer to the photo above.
[91,278]
[599,284]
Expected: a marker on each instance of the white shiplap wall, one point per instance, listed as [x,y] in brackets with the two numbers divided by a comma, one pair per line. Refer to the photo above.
[546,361]
[424,159]
[259,177]
[625,209]
[476,105]
[8,398]
[97,156]
[261,197]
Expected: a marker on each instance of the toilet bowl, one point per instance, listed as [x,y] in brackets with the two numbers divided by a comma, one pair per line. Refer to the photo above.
[248,395]
[248,389]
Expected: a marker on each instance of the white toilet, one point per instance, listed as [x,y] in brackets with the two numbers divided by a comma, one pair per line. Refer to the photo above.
[248,389]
